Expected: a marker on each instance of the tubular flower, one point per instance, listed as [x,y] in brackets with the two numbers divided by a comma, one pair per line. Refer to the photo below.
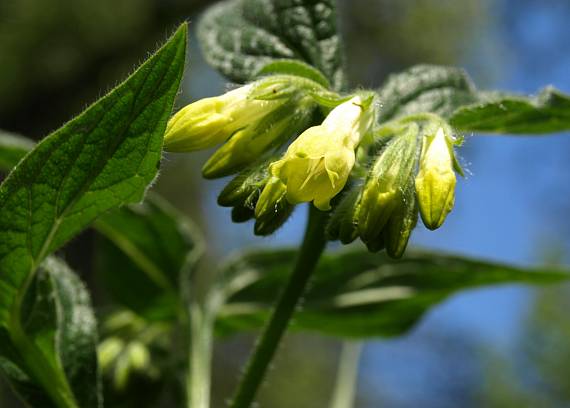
[210,121]
[250,120]
[317,164]
[435,182]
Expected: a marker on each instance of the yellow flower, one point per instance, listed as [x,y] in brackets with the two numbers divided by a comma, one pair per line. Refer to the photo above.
[211,121]
[317,164]
[435,182]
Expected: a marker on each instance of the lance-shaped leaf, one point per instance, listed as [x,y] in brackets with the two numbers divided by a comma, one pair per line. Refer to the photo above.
[148,248]
[102,159]
[12,148]
[357,293]
[59,323]
[239,37]
[549,111]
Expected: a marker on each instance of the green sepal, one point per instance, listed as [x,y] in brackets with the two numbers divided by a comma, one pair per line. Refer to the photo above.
[343,223]
[240,190]
[294,67]
[401,224]
[242,213]
[243,192]
[383,188]
[270,221]
[376,244]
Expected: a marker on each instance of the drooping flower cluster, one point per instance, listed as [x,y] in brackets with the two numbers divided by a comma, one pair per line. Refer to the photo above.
[289,147]
[413,171]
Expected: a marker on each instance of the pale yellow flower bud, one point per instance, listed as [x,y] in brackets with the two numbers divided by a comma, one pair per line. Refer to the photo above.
[211,121]
[435,182]
[108,351]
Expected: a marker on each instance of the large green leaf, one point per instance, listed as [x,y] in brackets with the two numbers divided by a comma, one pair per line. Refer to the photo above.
[357,293]
[102,159]
[147,248]
[239,37]
[548,112]
[12,149]
[60,324]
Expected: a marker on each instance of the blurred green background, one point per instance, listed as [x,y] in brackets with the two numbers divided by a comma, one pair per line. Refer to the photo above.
[491,348]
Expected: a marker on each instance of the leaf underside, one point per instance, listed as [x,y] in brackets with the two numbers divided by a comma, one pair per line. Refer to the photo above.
[357,294]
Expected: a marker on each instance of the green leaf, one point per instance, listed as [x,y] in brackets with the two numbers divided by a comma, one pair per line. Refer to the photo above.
[102,159]
[548,112]
[449,92]
[239,37]
[59,323]
[357,293]
[12,149]
[148,248]
[425,88]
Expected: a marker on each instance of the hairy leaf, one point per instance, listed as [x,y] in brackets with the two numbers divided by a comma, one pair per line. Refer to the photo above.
[60,324]
[12,149]
[357,293]
[449,92]
[239,37]
[147,248]
[102,159]
[425,88]
[548,112]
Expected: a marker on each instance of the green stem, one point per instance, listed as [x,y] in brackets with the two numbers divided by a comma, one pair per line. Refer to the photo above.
[347,375]
[313,245]
[200,358]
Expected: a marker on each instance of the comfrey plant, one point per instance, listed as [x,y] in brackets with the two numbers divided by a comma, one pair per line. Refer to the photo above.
[367,163]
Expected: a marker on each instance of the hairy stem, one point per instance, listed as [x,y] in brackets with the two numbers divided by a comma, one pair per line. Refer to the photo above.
[313,245]
[347,374]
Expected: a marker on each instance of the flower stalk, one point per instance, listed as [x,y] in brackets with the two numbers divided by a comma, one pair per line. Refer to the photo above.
[313,245]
